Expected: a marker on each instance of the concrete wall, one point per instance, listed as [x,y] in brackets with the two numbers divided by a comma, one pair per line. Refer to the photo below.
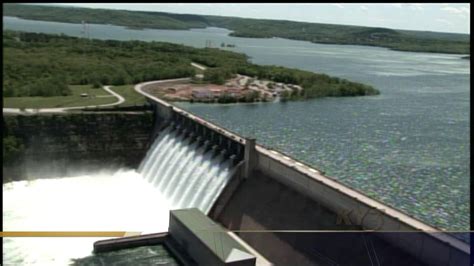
[74,143]
[278,222]
[353,207]
[228,191]
[166,114]
[205,241]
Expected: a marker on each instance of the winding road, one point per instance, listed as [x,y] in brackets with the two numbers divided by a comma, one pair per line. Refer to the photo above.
[196,65]
[119,97]
[107,88]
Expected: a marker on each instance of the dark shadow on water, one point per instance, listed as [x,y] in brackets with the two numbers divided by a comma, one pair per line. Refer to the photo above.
[145,255]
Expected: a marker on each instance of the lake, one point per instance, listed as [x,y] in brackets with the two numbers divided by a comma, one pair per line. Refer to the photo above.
[408,147]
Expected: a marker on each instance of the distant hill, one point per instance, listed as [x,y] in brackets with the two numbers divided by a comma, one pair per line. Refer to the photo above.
[437,35]
[142,19]
[404,40]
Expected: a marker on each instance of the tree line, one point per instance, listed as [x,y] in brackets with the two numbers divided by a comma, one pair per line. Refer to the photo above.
[37,64]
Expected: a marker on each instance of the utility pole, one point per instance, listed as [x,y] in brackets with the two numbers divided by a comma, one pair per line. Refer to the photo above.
[83,34]
[83,31]
[208,44]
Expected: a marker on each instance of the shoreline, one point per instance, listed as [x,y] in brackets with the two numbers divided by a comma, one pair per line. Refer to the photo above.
[232,34]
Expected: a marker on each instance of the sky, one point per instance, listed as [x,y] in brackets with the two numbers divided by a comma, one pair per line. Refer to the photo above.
[427,17]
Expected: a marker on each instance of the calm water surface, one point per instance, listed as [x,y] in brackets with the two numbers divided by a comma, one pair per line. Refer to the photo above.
[408,147]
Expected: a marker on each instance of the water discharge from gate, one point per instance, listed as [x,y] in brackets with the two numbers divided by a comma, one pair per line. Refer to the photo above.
[186,170]
[180,170]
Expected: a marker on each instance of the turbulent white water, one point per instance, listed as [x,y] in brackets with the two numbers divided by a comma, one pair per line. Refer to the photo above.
[176,173]
[120,201]
[187,173]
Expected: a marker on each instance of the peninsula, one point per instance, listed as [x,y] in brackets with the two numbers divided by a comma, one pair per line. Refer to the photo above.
[44,65]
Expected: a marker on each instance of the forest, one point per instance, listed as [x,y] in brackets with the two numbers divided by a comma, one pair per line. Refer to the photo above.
[416,41]
[37,64]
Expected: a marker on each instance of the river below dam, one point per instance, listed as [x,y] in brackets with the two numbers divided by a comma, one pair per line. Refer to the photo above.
[408,147]
[179,171]
[106,201]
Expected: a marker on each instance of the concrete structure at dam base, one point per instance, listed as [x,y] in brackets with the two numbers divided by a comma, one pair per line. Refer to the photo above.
[293,183]
[192,239]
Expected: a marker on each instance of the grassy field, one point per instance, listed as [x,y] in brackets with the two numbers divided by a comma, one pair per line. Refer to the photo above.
[131,96]
[96,97]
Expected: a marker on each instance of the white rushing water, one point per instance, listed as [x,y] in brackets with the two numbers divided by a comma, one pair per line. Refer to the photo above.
[176,173]
[120,201]
[187,173]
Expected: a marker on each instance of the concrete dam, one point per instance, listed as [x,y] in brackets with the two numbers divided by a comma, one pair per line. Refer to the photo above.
[216,198]
[188,170]
[278,205]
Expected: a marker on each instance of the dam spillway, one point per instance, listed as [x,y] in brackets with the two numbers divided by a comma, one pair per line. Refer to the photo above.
[187,170]
[422,242]
[246,187]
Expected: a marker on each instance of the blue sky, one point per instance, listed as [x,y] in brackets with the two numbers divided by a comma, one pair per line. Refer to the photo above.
[429,17]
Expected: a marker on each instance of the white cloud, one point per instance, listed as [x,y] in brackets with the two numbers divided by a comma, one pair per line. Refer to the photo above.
[338,5]
[462,12]
[454,10]
[397,5]
[364,8]
[451,9]
[444,21]
[416,6]
[466,9]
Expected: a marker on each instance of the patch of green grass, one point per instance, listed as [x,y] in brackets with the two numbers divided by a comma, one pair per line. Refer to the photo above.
[131,96]
[79,89]
[62,101]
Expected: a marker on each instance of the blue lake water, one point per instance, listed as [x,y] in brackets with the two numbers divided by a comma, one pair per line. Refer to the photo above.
[409,146]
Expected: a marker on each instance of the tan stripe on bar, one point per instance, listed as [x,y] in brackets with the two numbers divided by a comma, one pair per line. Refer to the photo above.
[63,234]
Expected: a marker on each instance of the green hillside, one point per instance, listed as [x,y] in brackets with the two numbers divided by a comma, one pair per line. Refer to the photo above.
[45,65]
[417,41]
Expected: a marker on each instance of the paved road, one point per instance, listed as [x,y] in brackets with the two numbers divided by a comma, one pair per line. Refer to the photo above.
[64,109]
[107,88]
[139,87]
[196,65]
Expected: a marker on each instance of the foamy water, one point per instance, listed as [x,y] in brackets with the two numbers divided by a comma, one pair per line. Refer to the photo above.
[177,172]
[120,201]
[187,172]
